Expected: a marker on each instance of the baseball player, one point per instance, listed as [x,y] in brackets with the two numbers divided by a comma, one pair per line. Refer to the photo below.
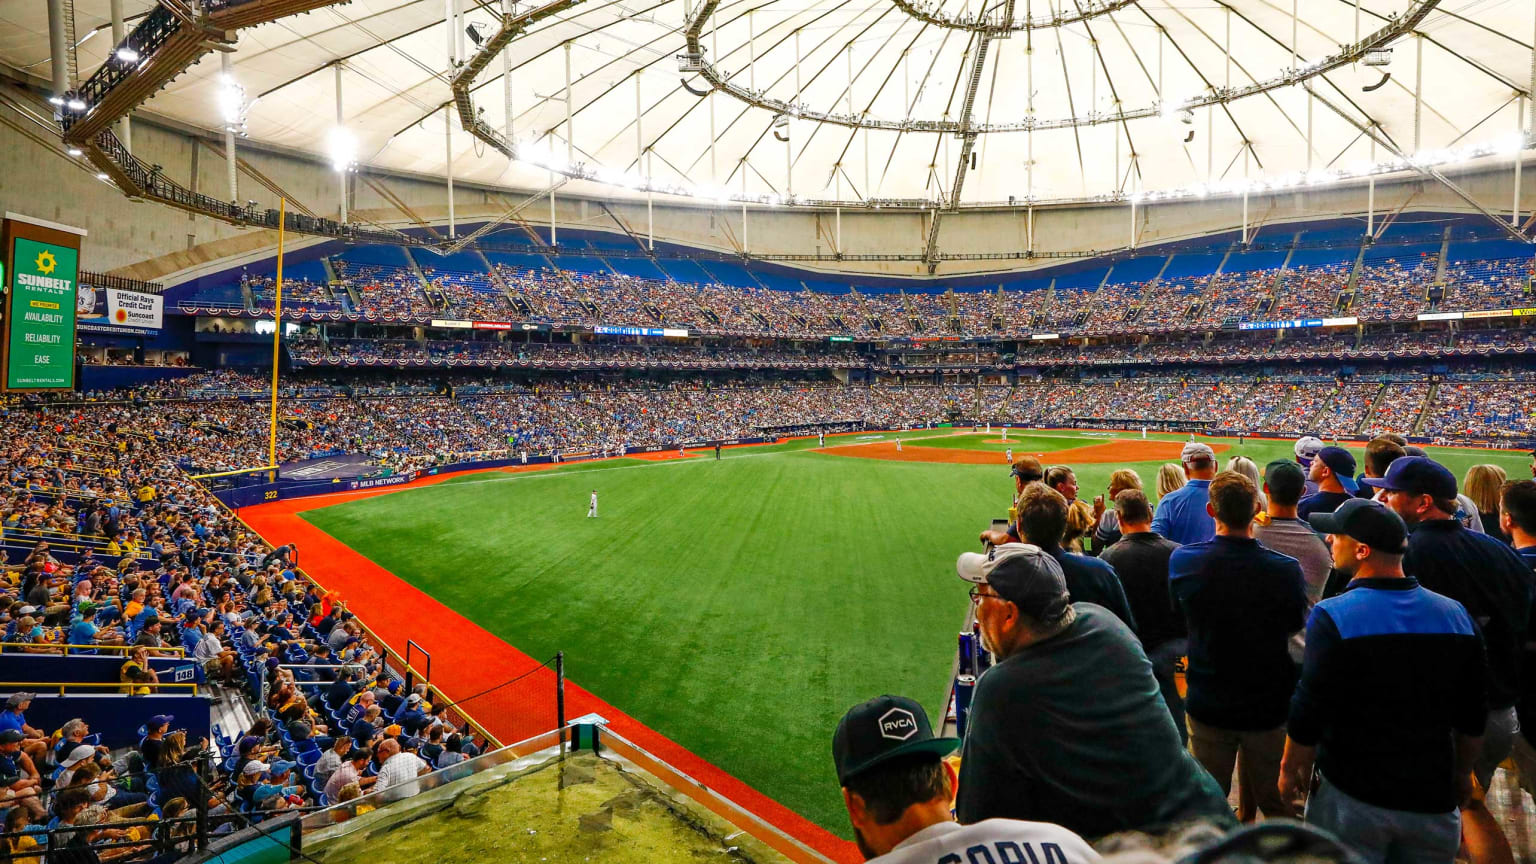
[592,506]
[898,445]
[1009,455]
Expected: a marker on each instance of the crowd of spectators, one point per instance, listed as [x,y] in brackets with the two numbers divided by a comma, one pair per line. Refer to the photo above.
[155,564]
[1393,288]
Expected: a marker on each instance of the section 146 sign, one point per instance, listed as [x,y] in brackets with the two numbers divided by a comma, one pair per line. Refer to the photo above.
[41,317]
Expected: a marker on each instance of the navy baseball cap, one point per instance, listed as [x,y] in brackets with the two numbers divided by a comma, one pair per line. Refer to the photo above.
[1021,573]
[1342,463]
[1366,521]
[1417,475]
[882,729]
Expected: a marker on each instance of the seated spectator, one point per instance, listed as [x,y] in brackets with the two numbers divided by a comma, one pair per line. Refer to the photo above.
[136,674]
[1240,670]
[1069,726]
[34,741]
[23,786]
[350,772]
[898,791]
[398,770]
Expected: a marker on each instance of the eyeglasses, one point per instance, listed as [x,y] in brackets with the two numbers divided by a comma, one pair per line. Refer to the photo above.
[977,595]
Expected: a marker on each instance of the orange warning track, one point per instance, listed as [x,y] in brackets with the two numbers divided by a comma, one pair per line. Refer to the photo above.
[469,658]
[1119,450]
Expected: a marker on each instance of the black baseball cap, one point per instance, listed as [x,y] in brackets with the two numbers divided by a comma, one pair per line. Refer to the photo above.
[1417,475]
[1021,573]
[1366,521]
[882,729]
[1283,475]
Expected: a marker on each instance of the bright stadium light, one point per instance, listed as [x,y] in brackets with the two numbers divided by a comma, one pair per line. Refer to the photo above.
[231,98]
[75,151]
[342,146]
[76,103]
[127,54]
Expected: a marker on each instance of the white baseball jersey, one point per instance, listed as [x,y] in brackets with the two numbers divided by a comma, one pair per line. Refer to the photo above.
[994,840]
[594,500]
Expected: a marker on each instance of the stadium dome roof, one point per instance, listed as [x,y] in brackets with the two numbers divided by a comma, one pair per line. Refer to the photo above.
[890,101]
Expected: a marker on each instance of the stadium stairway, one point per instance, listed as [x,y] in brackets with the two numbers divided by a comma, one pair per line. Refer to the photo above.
[1371,411]
[1426,410]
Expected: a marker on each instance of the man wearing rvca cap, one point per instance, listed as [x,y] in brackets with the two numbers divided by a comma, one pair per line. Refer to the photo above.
[1483,574]
[1334,473]
[1181,515]
[1389,708]
[1070,726]
[897,790]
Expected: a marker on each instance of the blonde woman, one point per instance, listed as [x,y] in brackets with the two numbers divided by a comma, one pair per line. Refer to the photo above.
[1079,523]
[1248,468]
[1482,484]
[1108,530]
[1170,477]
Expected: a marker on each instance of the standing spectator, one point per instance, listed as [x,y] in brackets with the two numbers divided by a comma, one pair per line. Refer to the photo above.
[1043,522]
[1387,649]
[1480,573]
[898,792]
[1517,518]
[1280,529]
[1380,453]
[1182,515]
[1333,472]
[1242,602]
[1064,480]
[1140,559]
[1482,485]
[1069,726]
[1108,531]
[1306,449]
[1170,478]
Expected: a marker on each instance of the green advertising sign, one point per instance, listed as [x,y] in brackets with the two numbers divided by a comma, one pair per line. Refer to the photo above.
[41,317]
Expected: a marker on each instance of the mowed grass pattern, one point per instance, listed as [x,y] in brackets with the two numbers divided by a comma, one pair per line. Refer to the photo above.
[738,607]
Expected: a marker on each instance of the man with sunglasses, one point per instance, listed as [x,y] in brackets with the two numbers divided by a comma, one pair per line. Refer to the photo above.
[1070,726]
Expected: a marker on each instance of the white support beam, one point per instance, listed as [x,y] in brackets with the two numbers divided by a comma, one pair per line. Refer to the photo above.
[554,240]
[570,113]
[342,170]
[1418,93]
[448,149]
[1514,210]
[227,69]
[119,31]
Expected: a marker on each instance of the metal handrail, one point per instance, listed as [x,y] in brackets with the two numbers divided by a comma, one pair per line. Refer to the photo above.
[64,649]
[113,686]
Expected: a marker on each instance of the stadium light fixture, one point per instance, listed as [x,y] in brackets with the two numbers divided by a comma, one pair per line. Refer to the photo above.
[342,146]
[76,103]
[127,54]
[75,151]
[56,101]
[102,176]
[231,98]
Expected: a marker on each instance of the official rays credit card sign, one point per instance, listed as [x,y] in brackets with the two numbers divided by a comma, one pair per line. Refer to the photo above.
[42,282]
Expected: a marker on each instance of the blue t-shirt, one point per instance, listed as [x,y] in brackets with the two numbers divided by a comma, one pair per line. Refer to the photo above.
[82,633]
[12,720]
[1181,515]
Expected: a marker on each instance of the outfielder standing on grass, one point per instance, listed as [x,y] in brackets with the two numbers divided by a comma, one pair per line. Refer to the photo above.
[717,451]
[592,506]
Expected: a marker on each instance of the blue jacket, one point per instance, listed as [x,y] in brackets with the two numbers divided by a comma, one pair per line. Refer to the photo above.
[1090,580]
[1390,649]
[1242,601]
[1181,515]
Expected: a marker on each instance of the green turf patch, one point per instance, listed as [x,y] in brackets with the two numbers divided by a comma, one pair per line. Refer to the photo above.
[739,606]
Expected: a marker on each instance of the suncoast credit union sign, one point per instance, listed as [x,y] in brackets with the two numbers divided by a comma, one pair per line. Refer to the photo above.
[44,267]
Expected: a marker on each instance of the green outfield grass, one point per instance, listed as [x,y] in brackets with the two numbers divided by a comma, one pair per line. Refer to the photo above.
[738,607]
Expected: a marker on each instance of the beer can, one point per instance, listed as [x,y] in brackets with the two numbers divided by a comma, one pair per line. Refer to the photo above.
[984,658]
[965,687]
[967,664]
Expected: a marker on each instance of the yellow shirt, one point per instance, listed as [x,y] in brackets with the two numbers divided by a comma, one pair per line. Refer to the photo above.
[146,494]
[19,849]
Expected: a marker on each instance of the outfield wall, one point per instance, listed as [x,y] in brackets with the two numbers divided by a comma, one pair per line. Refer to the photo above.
[262,493]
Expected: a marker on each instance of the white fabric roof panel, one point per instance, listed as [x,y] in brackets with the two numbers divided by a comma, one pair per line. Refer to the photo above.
[870,59]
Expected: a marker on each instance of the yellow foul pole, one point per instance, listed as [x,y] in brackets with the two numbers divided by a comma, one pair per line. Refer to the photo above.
[277,335]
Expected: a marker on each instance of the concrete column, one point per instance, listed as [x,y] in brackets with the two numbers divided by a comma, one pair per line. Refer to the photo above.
[448,164]
[58,48]
[119,33]
[341,173]
[226,67]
